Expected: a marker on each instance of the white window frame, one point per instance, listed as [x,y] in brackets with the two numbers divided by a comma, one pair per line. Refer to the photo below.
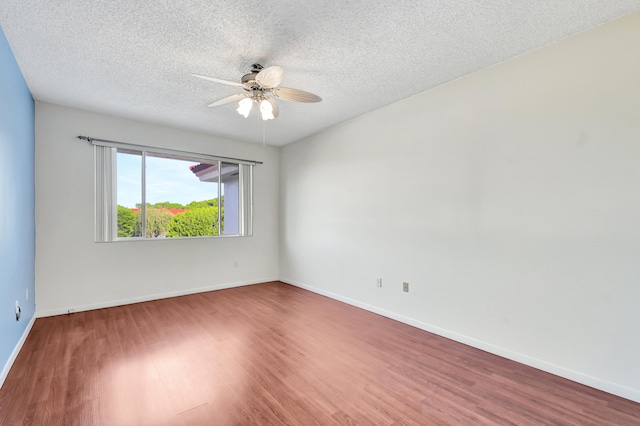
[105,180]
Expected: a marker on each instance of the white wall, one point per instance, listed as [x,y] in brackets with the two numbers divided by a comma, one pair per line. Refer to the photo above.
[509,200]
[73,272]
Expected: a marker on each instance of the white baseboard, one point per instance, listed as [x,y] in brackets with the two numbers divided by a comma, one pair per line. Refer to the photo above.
[146,298]
[576,376]
[16,351]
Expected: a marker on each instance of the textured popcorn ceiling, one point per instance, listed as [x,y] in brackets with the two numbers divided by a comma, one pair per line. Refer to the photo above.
[133,58]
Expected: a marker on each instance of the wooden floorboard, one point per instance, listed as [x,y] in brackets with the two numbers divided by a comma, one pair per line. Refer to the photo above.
[273,354]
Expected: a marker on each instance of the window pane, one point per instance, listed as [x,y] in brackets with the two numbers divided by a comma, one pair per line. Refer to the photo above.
[129,193]
[169,195]
[181,197]
[230,199]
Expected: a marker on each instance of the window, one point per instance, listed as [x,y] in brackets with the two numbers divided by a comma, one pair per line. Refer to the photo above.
[150,193]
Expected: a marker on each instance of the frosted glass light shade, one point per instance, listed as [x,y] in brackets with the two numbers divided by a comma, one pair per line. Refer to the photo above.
[266,110]
[244,107]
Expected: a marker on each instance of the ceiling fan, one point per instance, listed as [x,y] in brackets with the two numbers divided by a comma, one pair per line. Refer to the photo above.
[258,85]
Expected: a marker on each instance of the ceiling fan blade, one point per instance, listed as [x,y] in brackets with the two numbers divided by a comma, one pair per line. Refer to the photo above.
[276,108]
[295,95]
[228,99]
[270,77]
[218,80]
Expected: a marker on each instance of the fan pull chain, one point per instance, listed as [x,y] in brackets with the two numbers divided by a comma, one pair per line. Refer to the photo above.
[264,133]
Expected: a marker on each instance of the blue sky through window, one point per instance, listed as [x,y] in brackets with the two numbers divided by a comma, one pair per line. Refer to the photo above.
[167,180]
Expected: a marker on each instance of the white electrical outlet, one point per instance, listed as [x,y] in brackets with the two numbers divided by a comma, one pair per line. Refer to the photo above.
[27,294]
[405,287]
[379,282]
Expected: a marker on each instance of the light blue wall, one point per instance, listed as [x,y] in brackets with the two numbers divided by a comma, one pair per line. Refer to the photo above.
[17,202]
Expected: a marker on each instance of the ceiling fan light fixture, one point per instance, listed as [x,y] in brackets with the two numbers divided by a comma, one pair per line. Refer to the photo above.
[266,109]
[244,107]
[259,87]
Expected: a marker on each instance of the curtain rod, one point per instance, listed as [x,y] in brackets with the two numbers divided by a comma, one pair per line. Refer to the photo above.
[115,144]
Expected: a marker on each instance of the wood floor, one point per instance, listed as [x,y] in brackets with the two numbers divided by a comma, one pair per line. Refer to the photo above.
[276,354]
